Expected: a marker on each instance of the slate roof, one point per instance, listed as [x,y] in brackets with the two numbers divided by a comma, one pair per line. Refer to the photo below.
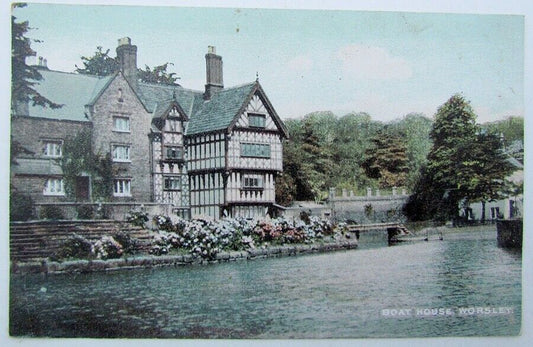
[36,167]
[72,90]
[218,112]
[156,98]
[75,91]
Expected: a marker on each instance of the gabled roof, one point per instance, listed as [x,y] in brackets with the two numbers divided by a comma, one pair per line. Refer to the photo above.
[73,91]
[218,112]
[157,98]
[76,91]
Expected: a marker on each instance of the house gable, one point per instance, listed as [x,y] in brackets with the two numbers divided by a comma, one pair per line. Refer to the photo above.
[255,107]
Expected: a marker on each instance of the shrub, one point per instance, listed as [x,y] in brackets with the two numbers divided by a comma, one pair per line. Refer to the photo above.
[128,243]
[85,211]
[137,218]
[51,212]
[108,248]
[20,207]
[76,247]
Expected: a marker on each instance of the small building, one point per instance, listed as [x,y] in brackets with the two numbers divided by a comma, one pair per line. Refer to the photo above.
[213,153]
[508,208]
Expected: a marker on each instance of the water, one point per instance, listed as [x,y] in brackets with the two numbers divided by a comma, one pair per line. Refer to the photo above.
[331,295]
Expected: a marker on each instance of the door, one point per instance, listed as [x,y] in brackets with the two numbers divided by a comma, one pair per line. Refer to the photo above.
[82,188]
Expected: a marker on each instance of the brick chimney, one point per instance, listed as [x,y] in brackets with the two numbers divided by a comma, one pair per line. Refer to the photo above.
[214,80]
[127,59]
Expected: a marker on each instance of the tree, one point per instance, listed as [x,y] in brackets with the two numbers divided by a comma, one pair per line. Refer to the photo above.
[415,129]
[102,64]
[386,160]
[24,77]
[158,75]
[464,164]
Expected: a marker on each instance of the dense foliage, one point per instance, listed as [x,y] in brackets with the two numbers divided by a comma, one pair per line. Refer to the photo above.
[465,164]
[79,159]
[102,64]
[351,152]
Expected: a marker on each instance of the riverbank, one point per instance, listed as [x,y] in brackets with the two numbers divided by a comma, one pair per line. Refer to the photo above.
[150,261]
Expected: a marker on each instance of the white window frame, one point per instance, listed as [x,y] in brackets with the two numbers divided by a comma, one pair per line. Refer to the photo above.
[121,124]
[54,187]
[122,187]
[52,147]
[121,153]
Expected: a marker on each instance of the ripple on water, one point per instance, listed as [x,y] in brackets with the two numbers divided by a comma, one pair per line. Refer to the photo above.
[315,296]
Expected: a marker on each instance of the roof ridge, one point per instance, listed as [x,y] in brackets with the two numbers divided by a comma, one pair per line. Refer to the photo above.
[76,74]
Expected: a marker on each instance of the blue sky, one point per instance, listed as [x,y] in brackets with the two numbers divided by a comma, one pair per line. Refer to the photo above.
[385,63]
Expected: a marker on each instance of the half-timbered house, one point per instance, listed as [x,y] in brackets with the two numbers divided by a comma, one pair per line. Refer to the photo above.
[214,153]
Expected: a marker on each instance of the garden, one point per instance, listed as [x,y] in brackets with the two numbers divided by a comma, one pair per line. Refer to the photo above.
[202,238]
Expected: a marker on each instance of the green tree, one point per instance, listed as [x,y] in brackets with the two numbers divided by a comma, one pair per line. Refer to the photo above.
[24,77]
[415,129]
[102,64]
[78,158]
[158,75]
[464,164]
[386,160]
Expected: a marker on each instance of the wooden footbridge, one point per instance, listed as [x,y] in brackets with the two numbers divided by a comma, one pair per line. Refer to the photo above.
[393,229]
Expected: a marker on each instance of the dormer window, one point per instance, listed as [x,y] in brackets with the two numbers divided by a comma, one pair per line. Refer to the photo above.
[256,120]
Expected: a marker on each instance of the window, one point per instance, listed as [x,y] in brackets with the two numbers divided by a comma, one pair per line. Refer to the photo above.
[255,150]
[54,186]
[121,124]
[172,183]
[53,149]
[252,182]
[174,153]
[121,153]
[256,120]
[121,187]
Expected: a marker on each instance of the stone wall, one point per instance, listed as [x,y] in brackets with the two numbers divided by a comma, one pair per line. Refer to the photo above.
[113,211]
[119,99]
[371,208]
[31,131]
[31,241]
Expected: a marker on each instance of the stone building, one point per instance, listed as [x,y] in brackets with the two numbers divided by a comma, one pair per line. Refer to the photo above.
[213,153]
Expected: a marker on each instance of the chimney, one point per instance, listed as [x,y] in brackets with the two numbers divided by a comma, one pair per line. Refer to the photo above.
[214,81]
[127,59]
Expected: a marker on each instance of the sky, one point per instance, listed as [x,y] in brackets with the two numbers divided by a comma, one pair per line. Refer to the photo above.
[385,63]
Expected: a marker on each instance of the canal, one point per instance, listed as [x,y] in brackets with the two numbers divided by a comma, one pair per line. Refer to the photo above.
[374,291]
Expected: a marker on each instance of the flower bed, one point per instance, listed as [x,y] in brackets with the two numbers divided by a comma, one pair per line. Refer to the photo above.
[205,239]
[201,238]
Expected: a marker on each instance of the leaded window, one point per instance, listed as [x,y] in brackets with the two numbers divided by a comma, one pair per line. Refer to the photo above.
[255,150]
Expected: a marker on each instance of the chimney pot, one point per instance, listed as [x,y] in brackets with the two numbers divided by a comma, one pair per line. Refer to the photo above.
[214,79]
[125,41]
